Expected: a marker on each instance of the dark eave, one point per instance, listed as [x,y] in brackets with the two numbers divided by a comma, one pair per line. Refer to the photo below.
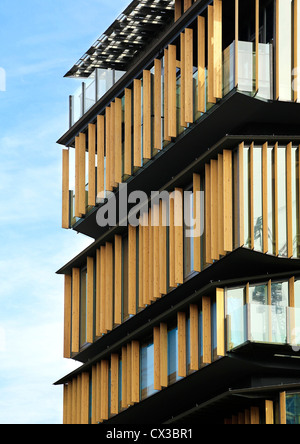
[231,270]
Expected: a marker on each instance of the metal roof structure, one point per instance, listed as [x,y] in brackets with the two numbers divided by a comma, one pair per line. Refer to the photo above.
[126,37]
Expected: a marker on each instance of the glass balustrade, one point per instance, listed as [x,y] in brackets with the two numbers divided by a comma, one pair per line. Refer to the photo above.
[268,324]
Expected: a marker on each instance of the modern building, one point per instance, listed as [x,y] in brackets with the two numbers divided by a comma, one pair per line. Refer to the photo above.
[186,308]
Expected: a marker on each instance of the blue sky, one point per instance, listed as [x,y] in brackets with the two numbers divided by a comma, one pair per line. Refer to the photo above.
[40,42]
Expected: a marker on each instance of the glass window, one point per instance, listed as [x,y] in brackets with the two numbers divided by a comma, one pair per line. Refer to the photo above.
[297,294]
[271,218]
[83,306]
[247,238]
[235,317]
[293,408]
[188,233]
[257,201]
[285,49]
[295,199]
[188,348]
[282,212]
[147,370]
[172,355]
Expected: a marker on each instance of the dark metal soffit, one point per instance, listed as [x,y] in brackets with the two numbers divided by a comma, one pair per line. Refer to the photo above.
[129,34]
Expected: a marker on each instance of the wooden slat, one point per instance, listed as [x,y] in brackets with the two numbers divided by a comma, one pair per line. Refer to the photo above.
[98,293]
[221,196]
[109,285]
[282,408]
[163,355]
[135,371]
[201,65]
[210,70]
[177,12]
[147,115]
[214,208]
[94,395]
[197,217]
[178,222]
[172,244]
[102,327]
[100,156]
[254,416]
[118,281]
[112,135]
[145,259]
[78,400]
[108,148]
[85,398]
[151,255]
[220,300]
[289,204]
[92,165]
[65,404]
[181,324]
[141,266]
[167,138]
[188,80]
[186,5]
[82,151]
[137,123]
[265,196]
[292,292]
[172,125]
[269,408]
[227,200]
[182,79]
[131,270]
[77,213]
[128,134]
[75,309]
[236,50]
[208,257]
[124,403]
[90,300]
[118,141]
[74,401]
[65,190]
[114,403]
[163,248]
[156,343]
[218,53]
[67,315]
[194,337]
[157,105]
[241,199]
[97,390]
[129,375]
[206,330]
[156,252]
[104,390]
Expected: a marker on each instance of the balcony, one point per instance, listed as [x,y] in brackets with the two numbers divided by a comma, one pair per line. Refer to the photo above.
[90,91]
[102,80]
[267,324]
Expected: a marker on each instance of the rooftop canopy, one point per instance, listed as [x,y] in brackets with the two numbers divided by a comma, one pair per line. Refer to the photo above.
[127,36]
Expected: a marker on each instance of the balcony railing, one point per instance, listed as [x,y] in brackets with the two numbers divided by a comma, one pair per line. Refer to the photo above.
[268,324]
[90,91]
